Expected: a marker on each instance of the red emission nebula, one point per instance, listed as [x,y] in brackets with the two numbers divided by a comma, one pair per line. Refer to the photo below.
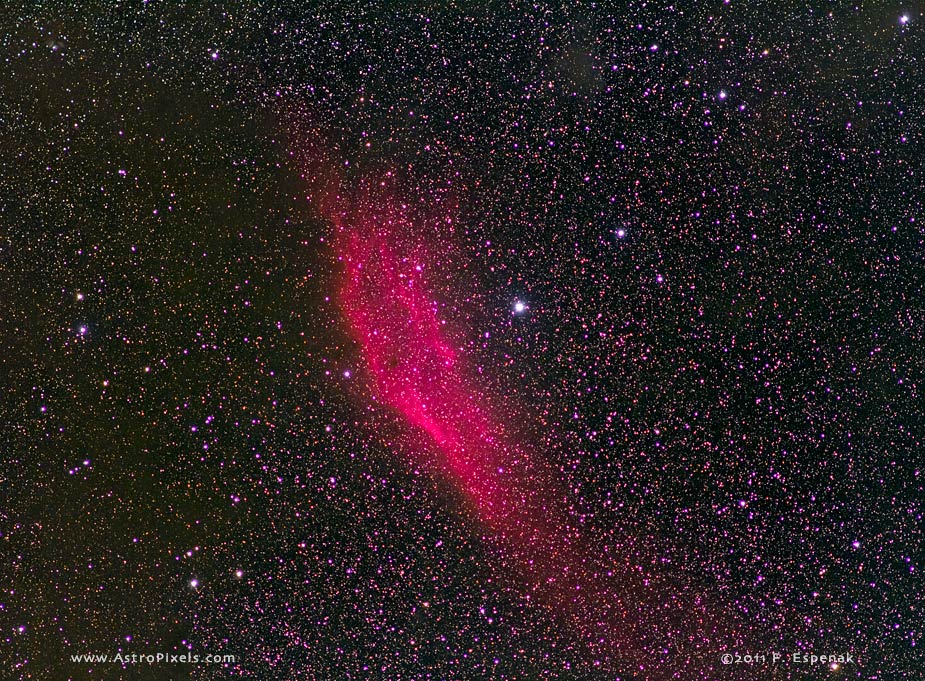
[624,613]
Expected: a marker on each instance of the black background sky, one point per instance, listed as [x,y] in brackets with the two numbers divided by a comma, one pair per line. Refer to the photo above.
[713,213]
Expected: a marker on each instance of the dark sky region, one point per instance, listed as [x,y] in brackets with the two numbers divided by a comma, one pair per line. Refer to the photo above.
[451,340]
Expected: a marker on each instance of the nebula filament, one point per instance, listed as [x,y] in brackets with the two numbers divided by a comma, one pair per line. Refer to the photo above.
[623,611]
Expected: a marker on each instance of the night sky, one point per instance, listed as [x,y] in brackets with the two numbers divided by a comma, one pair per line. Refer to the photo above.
[462,340]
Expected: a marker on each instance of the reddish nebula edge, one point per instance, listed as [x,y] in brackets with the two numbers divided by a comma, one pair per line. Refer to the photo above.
[645,622]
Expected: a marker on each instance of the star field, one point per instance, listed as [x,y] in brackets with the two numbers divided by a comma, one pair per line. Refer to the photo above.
[462,340]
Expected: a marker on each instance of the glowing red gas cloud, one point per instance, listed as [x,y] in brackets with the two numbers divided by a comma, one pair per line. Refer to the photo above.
[623,611]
